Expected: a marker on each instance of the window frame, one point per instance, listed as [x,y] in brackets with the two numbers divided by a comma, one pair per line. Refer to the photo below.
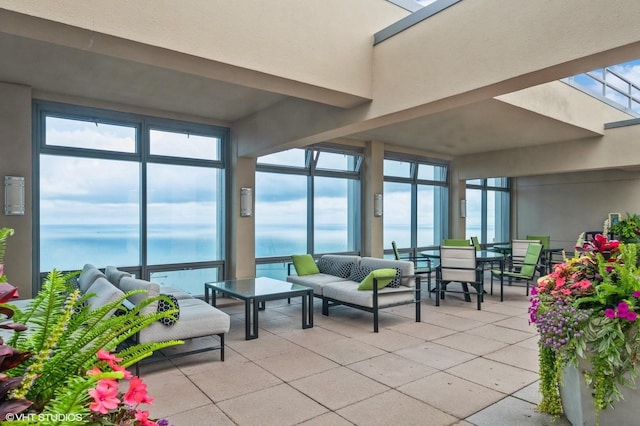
[484,187]
[143,124]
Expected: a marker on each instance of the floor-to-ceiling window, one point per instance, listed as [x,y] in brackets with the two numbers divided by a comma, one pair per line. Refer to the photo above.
[488,210]
[141,193]
[415,203]
[307,201]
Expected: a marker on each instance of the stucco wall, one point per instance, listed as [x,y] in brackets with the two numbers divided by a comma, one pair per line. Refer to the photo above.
[15,160]
[564,205]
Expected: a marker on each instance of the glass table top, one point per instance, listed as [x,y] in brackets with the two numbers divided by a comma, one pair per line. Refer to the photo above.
[256,287]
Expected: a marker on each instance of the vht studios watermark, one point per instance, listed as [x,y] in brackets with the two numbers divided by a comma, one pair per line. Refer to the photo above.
[43,417]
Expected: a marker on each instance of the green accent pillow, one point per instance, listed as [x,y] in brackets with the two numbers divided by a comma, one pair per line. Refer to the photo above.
[304,264]
[385,276]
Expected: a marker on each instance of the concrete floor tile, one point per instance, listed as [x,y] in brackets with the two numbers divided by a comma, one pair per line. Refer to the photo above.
[163,386]
[513,412]
[392,370]
[436,356]
[451,394]
[207,415]
[279,406]
[516,356]
[237,379]
[327,419]
[501,334]
[494,375]
[295,364]
[389,340]
[394,408]
[338,388]
[423,330]
[267,344]
[347,350]
[470,343]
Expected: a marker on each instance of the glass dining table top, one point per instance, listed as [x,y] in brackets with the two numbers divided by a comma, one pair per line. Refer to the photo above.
[481,255]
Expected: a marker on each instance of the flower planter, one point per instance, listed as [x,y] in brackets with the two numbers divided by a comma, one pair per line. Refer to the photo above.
[577,402]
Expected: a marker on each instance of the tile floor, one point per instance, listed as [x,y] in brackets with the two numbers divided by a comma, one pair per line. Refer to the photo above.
[459,366]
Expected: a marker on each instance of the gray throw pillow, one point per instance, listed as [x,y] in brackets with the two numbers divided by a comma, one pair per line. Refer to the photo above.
[359,273]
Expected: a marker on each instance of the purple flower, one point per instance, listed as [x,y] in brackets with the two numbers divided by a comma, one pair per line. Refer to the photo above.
[631,316]
[623,307]
[636,294]
[610,313]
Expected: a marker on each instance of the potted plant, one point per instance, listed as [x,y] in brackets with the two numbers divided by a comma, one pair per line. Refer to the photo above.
[586,312]
[627,230]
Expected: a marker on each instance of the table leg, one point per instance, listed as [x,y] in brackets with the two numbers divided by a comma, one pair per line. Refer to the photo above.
[250,319]
[307,310]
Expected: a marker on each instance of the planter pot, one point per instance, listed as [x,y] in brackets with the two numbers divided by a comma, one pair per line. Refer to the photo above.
[577,402]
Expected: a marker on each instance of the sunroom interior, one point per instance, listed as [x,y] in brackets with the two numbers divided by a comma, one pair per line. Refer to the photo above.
[457,99]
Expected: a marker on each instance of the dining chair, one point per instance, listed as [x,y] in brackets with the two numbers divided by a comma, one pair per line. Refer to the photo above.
[546,259]
[455,242]
[519,250]
[421,265]
[458,264]
[525,270]
[476,243]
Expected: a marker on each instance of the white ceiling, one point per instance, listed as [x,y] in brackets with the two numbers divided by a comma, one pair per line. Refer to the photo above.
[486,126]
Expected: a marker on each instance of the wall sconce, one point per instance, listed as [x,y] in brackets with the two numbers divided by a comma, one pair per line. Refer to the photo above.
[463,208]
[377,205]
[13,195]
[246,201]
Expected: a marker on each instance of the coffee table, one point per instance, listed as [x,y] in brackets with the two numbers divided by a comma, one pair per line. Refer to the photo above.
[255,292]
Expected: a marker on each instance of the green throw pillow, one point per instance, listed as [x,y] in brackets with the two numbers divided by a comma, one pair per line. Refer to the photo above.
[385,276]
[304,264]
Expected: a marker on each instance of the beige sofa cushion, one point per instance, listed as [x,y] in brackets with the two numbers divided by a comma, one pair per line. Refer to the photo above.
[104,293]
[197,319]
[315,281]
[128,284]
[348,292]
[88,275]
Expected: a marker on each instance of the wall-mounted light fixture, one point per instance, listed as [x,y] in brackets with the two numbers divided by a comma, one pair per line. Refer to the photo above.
[13,195]
[463,208]
[377,205]
[246,201]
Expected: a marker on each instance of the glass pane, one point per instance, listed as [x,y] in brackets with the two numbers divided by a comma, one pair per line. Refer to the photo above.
[295,157]
[430,215]
[397,168]
[183,214]
[184,145]
[502,216]
[335,207]
[397,214]
[474,215]
[500,182]
[280,214]
[89,212]
[474,182]
[190,281]
[333,161]
[89,135]
[432,172]
[277,271]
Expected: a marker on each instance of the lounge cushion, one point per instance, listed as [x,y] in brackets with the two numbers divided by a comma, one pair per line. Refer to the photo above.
[304,264]
[405,266]
[384,276]
[152,289]
[88,275]
[335,268]
[316,281]
[104,291]
[114,275]
[347,291]
[175,292]
[197,319]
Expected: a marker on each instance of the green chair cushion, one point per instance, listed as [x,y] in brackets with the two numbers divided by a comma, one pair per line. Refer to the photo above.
[385,276]
[304,264]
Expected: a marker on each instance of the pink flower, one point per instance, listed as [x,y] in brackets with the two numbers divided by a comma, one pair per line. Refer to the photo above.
[105,396]
[632,316]
[636,294]
[143,418]
[127,373]
[610,313]
[95,371]
[137,393]
[623,307]
[107,356]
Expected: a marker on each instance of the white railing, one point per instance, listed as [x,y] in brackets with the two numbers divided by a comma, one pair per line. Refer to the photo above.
[610,86]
